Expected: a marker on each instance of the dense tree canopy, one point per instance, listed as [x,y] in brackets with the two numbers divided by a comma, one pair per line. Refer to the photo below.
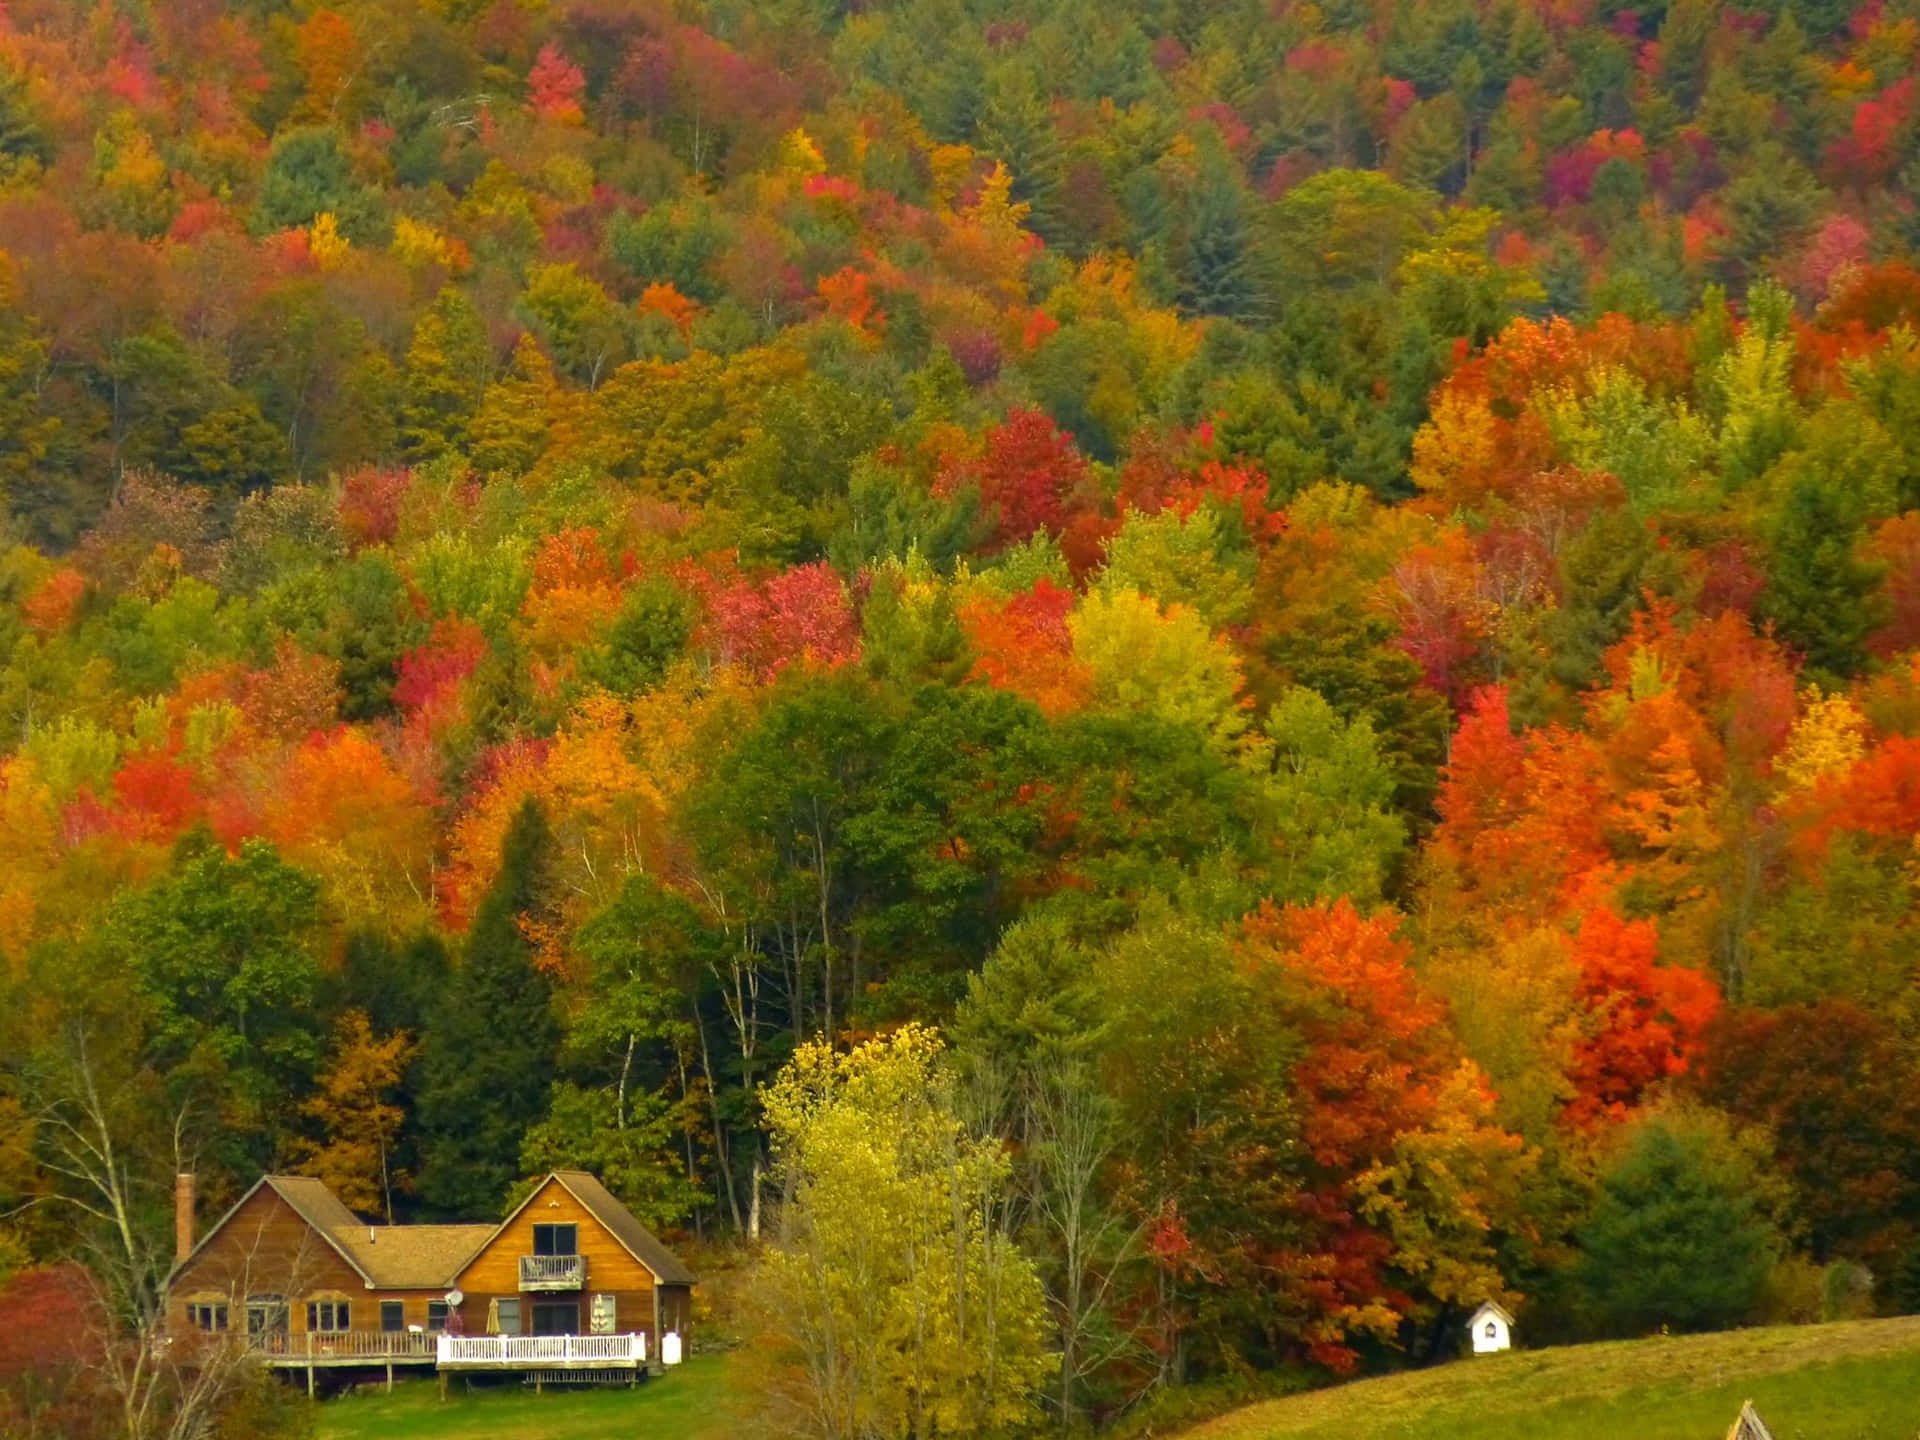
[1293,628]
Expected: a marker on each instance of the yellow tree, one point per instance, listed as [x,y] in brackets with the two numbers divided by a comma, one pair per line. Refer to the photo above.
[1162,663]
[329,56]
[899,1300]
[354,1110]
[1829,736]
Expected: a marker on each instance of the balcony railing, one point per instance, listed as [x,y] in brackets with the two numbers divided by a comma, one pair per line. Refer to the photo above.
[543,1352]
[553,1272]
[340,1346]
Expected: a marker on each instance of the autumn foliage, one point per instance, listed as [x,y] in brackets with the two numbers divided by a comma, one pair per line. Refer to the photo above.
[1348,629]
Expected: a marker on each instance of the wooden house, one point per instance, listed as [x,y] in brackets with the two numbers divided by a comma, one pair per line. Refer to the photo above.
[569,1282]
[572,1260]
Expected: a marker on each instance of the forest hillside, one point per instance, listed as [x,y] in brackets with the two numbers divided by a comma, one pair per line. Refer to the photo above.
[1127,693]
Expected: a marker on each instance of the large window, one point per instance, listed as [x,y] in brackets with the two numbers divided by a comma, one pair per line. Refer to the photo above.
[556,1239]
[328,1316]
[556,1318]
[210,1318]
[393,1316]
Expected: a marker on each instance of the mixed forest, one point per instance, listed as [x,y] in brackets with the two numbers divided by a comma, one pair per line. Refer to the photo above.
[1140,692]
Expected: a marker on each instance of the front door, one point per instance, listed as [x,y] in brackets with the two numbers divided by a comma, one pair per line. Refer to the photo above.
[556,1318]
[269,1318]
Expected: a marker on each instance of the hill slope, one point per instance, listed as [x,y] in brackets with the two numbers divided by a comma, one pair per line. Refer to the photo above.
[1846,1381]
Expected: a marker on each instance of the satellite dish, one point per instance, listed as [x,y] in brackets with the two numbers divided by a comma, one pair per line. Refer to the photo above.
[455,1297]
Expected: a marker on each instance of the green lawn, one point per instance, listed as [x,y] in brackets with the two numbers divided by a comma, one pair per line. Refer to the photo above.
[1848,1381]
[691,1402]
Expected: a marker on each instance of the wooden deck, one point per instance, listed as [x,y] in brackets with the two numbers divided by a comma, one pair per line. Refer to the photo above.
[308,1349]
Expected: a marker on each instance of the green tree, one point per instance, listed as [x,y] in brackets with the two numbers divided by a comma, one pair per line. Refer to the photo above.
[486,1065]
[647,635]
[1329,791]
[25,147]
[223,951]
[628,1142]
[1680,1232]
[582,328]
[1216,262]
[1823,591]
[1198,560]
[308,175]
[647,955]
[26,430]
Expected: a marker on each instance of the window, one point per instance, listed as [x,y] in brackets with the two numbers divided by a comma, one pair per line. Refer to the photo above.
[1493,1330]
[509,1316]
[328,1316]
[393,1316]
[210,1318]
[556,1239]
[436,1315]
[267,1315]
[552,1318]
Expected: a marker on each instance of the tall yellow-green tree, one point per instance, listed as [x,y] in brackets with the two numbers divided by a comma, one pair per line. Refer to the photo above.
[447,367]
[901,1305]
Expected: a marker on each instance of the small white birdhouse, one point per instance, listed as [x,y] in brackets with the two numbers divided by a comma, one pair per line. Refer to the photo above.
[1491,1329]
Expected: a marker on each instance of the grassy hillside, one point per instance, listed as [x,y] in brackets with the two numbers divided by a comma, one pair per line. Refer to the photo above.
[690,1403]
[1848,1381]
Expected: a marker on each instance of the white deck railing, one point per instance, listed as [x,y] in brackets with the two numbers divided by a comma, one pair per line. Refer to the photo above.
[543,1350]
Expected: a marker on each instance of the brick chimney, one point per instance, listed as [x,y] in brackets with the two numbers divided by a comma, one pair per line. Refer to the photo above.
[182,1216]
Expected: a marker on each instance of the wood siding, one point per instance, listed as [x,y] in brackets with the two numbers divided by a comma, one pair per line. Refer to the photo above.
[266,1248]
[494,1273]
[676,1309]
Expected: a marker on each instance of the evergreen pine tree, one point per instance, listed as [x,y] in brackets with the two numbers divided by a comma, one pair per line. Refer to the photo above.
[487,1065]
[1676,1237]
[446,374]
[1217,270]
[1823,596]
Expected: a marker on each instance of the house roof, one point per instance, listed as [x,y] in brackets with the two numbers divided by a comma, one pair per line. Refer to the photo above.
[618,1221]
[414,1257]
[431,1257]
[1491,1307]
[386,1257]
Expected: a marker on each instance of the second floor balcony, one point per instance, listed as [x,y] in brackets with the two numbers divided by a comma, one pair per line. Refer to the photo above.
[553,1272]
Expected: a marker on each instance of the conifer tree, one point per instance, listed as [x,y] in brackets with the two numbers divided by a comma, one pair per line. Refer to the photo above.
[446,371]
[1218,271]
[487,1064]
[1822,594]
